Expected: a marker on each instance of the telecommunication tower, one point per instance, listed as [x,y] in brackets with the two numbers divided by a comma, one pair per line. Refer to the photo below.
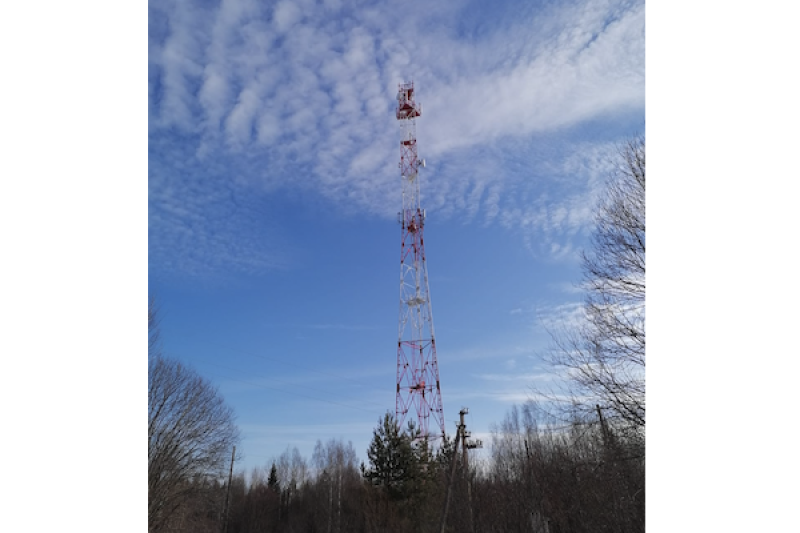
[417,369]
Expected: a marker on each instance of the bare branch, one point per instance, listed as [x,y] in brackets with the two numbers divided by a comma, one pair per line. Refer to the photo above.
[191,432]
[605,355]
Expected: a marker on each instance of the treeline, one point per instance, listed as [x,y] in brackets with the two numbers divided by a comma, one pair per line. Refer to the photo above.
[585,477]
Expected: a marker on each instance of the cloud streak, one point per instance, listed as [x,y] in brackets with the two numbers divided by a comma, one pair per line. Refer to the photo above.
[298,97]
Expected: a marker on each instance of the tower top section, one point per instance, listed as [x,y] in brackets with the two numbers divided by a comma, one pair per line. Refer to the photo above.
[407,107]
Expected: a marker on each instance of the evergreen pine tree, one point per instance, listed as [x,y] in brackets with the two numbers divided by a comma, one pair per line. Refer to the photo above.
[272,481]
[393,463]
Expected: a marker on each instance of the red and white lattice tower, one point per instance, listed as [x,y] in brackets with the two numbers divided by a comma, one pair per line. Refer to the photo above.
[418,389]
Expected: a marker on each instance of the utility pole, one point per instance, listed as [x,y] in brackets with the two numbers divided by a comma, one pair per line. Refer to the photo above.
[228,492]
[461,435]
[465,446]
[452,473]
[606,439]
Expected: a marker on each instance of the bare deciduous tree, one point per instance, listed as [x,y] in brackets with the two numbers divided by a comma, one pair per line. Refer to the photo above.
[191,432]
[605,353]
[546,477]
[335,464]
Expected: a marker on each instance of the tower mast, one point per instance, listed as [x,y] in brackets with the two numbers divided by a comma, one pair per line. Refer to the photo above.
[418,389]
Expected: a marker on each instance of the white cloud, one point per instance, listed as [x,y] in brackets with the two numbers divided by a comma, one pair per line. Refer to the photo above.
[197,227]
[537,376]
[285,16]
[567,288]
[508,396]
[565,315]
[300,84]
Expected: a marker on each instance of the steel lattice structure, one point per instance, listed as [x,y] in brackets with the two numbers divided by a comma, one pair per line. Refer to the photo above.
[417,369]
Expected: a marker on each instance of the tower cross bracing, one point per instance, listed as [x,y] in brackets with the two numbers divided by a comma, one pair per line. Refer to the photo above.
[418,389]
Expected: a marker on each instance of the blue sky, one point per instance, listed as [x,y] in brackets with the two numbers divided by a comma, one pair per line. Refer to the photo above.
[273,187]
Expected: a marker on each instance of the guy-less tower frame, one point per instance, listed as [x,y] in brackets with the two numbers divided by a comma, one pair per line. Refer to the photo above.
[417,370]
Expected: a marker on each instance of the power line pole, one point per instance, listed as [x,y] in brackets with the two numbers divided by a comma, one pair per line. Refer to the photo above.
[452,473]
[606,439]
[228,492]
[461,435]
[467,445]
